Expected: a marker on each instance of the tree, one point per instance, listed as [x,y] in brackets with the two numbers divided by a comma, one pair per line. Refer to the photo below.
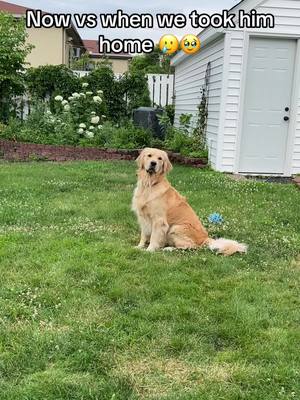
[13,52]
[152,63]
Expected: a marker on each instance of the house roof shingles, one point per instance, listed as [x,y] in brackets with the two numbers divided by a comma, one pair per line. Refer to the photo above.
[13,8]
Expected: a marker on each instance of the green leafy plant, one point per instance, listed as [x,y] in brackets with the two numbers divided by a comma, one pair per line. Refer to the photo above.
[122,94]
[199,132]
[81,116]
[124,136]
[152,63]
[13,53]
[46,81]
[179,139]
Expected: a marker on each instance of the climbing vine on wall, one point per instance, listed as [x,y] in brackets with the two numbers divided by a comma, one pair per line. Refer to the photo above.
[201,123]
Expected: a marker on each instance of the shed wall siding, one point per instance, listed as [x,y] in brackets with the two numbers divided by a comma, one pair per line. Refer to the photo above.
[232,101]
[287,16]
[296,148]
[189,79]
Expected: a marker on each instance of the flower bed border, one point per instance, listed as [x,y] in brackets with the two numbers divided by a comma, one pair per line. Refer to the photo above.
[19,151]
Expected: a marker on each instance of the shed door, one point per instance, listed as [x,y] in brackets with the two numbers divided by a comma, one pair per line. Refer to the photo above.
[271,64]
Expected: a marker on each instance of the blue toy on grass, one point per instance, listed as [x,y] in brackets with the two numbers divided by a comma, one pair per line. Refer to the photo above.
[216,218]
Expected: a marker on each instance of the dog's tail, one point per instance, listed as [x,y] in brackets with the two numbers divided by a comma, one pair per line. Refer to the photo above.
[226,247]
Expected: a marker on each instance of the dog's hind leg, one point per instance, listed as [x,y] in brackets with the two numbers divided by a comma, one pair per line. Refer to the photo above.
[178,238]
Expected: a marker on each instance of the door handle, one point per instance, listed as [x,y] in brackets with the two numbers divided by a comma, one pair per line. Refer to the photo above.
[286,118]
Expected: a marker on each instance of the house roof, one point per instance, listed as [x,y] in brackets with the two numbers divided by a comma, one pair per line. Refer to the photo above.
[13,8]
[92,47]
[20,10]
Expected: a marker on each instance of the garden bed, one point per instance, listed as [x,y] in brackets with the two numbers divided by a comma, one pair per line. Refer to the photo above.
[18,151]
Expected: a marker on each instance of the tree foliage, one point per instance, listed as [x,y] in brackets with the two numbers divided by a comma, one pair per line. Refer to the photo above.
[152,63]
[49,80]
[13,52]
[122,94]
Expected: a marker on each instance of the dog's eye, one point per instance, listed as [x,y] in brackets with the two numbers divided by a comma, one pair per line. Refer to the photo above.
[149,155]
[160,158]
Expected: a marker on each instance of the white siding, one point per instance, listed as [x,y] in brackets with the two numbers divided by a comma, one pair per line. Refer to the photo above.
[232,100]
[189,79]
[296,147]
[287,15]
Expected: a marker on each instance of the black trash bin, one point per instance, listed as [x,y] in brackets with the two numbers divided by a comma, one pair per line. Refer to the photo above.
[146,117]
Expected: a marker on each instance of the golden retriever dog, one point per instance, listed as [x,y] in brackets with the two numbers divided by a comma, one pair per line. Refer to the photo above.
[166,219]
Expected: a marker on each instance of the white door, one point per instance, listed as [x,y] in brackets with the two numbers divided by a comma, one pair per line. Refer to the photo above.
[269,84]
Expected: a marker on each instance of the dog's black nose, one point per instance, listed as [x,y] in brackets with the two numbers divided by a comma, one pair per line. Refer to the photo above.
[153,163]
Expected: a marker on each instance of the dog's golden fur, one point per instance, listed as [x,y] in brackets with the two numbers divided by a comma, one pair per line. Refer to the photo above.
[165,217]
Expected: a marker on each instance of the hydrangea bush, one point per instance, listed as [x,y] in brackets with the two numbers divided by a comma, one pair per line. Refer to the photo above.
[74,120]
[85,111]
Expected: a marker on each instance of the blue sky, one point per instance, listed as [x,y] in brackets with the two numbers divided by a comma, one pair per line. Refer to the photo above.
[129,6]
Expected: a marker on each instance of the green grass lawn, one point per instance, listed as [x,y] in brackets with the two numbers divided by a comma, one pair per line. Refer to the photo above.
[84,315]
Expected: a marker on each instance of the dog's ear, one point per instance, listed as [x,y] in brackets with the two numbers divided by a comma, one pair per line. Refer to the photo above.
[167,164]
[140,160]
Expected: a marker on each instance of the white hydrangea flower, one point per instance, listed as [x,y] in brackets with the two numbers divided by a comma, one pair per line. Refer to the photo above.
[100,126]
[100,91]
[85,85]
[95,120]
[64,102]
[76,95]
[48,112]
[91,128]
[67,107]
[89,93]
[82,94]
[83,126]
[97,99]
[89,134]
[93,113]
[58,98]
[71,98]
[80,131]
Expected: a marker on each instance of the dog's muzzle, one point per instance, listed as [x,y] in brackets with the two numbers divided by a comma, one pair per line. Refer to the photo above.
[152,168]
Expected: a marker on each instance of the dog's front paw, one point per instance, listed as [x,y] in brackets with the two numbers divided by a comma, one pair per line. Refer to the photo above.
[152,249]
[140,246]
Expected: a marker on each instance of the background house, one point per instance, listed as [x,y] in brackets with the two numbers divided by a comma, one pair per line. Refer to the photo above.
[252,77]
[119,61]
[52,45]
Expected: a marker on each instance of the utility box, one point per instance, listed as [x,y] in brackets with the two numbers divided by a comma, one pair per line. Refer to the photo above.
[146,117]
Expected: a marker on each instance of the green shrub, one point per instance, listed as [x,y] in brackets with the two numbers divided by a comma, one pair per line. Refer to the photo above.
[13,52]
[125,136]
[179,139]
[49,80]
[81,116]
[122,94]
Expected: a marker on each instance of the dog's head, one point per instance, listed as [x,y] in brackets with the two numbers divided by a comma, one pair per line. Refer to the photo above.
[154,161]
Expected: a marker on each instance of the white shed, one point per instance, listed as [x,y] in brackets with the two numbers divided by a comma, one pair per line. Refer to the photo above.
[254,91]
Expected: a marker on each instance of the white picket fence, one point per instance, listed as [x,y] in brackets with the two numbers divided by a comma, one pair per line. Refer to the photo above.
[161,88]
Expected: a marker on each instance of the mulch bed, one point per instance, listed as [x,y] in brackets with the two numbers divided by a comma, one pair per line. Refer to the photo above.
[18,151]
